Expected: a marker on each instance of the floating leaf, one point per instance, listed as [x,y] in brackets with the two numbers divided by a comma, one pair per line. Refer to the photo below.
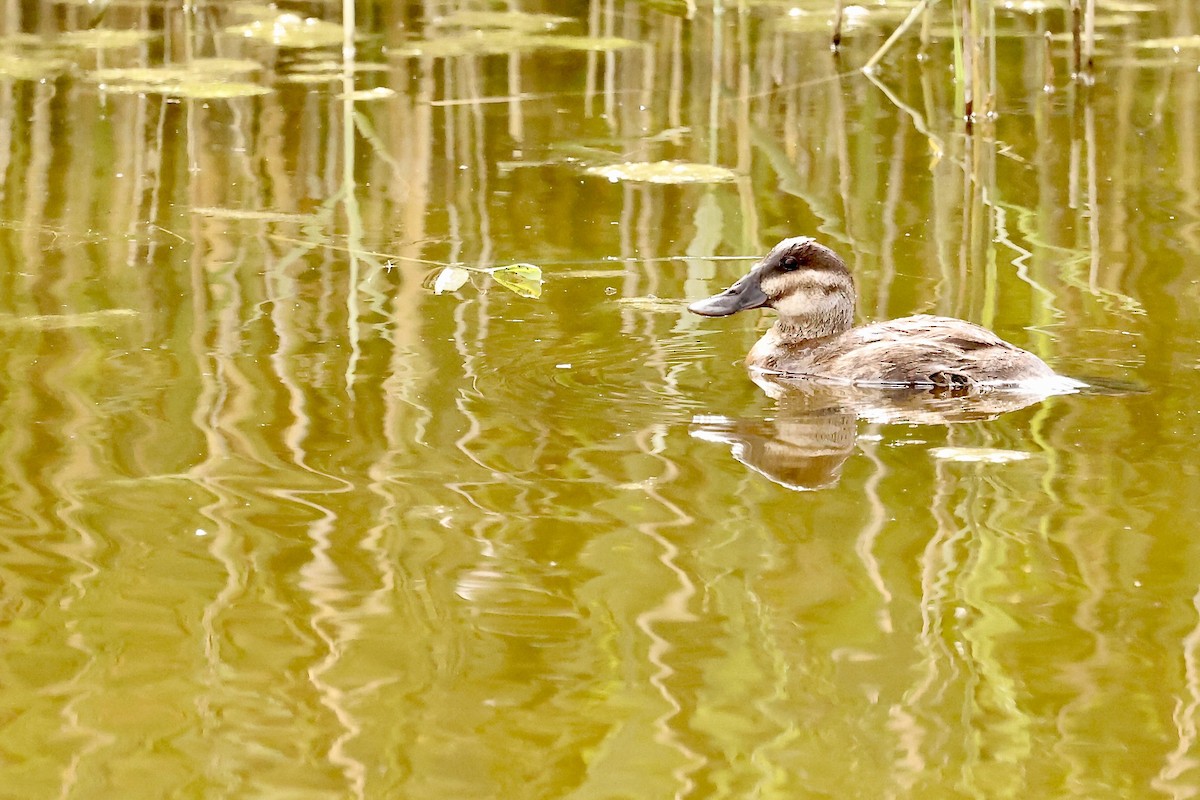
[672,135]
[465,44]
[450,279]
[138,75]
[788,5]
[953,34]
[653,305]
[325,70]
[503,42]
[249,214]
[663,172]
[809,23]
[524,279]
[311,78]
[585,43]
[103,39]
[985,455]
[1033,6]
[211,90]
[572,153]
[378,93]
[208,68]
[291,30]
[200,87]
[1067,37]
[1172,43]
[251,9]
[86,319]
[1129,7]
[201,78]
[1162,63]
[674,8]
[22,40]
[1115,20]
[31,68]
[337,67]
[506,20]
[222,66]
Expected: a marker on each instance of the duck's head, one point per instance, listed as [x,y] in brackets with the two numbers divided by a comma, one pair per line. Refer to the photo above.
[806,283]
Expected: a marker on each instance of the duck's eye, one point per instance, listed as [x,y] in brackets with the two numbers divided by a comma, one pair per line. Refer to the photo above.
[788,263]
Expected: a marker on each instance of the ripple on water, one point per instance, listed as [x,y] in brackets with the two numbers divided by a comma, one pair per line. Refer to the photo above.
[510,602]
[576,380]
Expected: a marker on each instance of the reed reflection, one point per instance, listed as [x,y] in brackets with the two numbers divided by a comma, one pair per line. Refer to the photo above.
[279,519]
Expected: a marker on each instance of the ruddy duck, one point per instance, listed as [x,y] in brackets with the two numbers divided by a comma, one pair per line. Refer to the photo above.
[811,289]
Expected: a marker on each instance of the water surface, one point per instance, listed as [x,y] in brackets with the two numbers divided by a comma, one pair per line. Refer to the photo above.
[278,519]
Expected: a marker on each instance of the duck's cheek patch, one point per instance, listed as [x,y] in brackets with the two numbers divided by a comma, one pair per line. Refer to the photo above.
[815,298]
[778,287]
[792,306]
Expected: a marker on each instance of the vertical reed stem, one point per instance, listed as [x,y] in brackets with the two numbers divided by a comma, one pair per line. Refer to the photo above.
[349,193]
[1076,25]
[1089,34]
[968,62]
[992,84]
[837,24]
[1048,63]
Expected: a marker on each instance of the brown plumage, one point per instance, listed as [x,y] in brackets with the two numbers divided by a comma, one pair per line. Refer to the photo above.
[810,288]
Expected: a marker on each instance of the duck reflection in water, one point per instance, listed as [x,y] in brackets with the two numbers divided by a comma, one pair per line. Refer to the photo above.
[825,373]
[815,427]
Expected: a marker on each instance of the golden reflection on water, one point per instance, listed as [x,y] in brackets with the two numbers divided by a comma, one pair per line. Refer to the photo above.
[277,519]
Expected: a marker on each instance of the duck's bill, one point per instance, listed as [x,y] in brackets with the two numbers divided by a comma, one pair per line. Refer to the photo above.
[743,295]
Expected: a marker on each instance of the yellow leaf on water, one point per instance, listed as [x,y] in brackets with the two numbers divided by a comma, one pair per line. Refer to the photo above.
[524,279]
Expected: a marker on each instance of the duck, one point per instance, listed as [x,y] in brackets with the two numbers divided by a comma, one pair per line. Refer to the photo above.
[812,291]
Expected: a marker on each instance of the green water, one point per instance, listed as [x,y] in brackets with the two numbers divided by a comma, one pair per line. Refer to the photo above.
[279,520]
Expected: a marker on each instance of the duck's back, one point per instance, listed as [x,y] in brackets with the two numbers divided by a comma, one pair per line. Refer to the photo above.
[922,350]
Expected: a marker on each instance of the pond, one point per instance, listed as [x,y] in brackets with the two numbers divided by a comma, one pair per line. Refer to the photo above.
[357,440]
